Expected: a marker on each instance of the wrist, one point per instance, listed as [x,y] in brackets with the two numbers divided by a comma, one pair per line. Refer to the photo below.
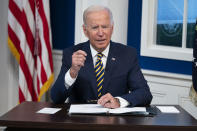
[73,73]
[123,102]
[117,101]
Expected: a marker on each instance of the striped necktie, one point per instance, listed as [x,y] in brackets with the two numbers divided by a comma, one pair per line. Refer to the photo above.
[99,70]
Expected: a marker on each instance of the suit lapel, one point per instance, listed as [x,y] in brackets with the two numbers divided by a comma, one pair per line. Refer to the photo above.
[89,69]
[111,61]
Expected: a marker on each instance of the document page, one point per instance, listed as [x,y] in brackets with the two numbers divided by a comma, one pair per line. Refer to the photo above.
[127,109]
[87,108]
[168,109]
[96,109]
[49,110]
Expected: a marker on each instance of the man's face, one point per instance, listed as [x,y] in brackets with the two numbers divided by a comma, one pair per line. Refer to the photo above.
[98,29]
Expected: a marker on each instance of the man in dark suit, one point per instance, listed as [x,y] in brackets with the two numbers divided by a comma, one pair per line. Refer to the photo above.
[100,69]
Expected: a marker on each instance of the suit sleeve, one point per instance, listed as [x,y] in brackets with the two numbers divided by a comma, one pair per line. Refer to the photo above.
[140,94]
[59,93]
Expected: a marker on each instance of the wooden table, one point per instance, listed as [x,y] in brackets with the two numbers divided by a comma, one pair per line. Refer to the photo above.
[24,116]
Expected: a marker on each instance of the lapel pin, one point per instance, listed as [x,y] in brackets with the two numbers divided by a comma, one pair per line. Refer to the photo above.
[113,58]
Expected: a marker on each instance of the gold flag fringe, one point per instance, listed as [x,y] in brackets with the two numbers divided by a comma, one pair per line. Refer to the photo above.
[193,95]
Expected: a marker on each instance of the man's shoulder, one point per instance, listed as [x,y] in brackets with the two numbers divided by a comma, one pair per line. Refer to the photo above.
[81,45]
[76,47]
[124,51]
[122,48]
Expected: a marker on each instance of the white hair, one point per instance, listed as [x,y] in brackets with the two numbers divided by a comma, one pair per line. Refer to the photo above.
[97,8]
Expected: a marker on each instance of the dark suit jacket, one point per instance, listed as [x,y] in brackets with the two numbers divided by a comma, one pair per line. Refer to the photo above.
[123,77]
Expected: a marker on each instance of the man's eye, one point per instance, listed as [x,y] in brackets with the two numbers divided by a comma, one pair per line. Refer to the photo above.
[104,27]
[94,27]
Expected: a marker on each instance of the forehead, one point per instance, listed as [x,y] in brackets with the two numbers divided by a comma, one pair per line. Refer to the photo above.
[98,16]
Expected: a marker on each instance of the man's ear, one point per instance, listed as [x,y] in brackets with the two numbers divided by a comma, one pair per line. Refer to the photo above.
[112,28]
[85,30]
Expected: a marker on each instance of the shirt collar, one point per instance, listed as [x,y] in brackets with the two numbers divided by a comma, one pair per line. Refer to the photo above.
[94,52]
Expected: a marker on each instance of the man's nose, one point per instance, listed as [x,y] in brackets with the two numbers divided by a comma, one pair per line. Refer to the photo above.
[100,31]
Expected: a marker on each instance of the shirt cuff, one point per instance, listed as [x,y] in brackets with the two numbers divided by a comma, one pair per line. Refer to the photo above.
[123,102]
[68,79]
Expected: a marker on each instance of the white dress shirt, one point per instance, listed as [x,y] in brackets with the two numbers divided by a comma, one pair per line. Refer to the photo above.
[69,80]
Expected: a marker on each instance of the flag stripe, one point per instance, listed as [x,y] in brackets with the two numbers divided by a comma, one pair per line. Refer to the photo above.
[23,46]
[23,85]
[27,31]
[28,56]
[29,21]
[21,18]
[44,56]
[19,3]
[43,74]
[14,38]
[42,71]
[29,18]
[46,33]
[38,85]
[28,76]
[20,34]
[21,96]
[32,6]
[15,9]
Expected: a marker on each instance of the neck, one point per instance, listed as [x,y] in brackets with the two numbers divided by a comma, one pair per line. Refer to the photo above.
[99,50]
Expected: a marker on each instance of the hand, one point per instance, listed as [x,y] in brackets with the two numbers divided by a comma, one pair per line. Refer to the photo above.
[109,101]
[78,60]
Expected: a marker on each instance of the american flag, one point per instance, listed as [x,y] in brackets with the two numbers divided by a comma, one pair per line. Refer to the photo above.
[29,39]
[193,90]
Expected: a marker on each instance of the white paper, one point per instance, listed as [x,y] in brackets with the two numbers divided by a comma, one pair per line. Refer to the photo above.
[96,108]
[87,108]
[49,110]
[168,109]
[127,109]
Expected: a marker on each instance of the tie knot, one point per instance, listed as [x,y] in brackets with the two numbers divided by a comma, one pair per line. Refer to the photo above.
[100,55]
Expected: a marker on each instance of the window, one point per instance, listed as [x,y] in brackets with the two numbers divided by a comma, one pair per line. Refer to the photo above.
[168,28]
[191,20]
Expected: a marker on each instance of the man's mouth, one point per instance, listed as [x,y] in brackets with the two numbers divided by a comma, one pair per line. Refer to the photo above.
[101,40]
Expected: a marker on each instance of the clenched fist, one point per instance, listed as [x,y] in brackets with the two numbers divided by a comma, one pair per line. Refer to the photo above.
[78,60]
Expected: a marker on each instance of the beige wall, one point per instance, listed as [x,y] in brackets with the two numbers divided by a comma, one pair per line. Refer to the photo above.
[119,10]
[8,66]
